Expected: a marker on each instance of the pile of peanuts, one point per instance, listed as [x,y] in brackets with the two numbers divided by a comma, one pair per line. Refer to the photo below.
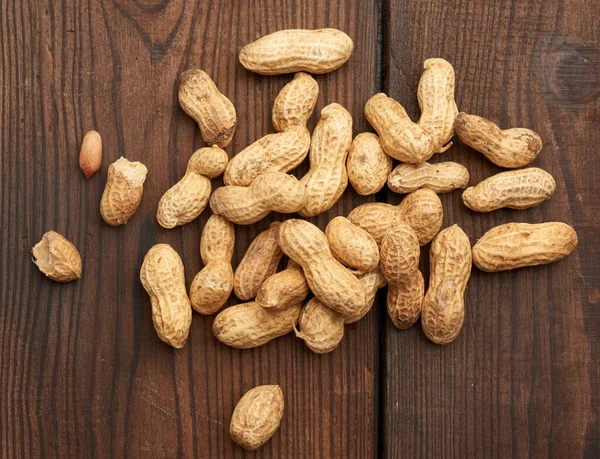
[377,244]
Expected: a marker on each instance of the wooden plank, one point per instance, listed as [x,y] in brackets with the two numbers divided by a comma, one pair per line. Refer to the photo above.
[522,377]
[82,372]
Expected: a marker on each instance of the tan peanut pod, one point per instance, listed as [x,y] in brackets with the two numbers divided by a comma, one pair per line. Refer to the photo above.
[321,328]
[371,281]
[200,98]
[352,246]
[327,178]
[436,99]
[400,265]
[272,191]
[212,286]
[400,137]
[163,278]
[328,279]
[368,165]
[297,50]
[508,148]
[260,261]
[57,257]
[283,288]
[280,152]
[249,325]
[295,102]
[257,416]
[123,192]
[439,177]
[187,199]
[519,190]
[516,245]
[443,310]
[421,210]
[90,154]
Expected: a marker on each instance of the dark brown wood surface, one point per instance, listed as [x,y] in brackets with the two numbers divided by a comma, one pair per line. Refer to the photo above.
[82,372]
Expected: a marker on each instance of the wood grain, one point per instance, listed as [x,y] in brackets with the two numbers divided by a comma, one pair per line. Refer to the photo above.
[522,377]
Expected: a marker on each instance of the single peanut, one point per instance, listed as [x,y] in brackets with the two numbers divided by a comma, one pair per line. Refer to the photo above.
[508,148]
[257,417]
[368,166]
[400,137]
[185,201]
[439,177]
[515,245]
[400,265]
[212,286]
[123,192]
[351,245]
[200,98]
[436,99]
[90,154]
[421,210]
[295,102]
[329,280]
[272,191]
[57,257]
[297,50]
[163,278]
[371,281]
[443,311]
[321,328]
[327,178]
[249,325]
[519,189]
[260,261]
[283,288]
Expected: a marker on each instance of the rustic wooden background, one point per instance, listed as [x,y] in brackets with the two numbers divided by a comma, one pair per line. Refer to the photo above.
[82,372]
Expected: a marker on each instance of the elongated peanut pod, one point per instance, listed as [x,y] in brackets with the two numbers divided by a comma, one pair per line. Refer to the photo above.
[57,257]
[439,177]
[123,192]
[519,189]
[368,165]
[163,278]
[371,281]
[283,288]
[515,245]
[297,50]
[436,99]
[321,328]
[295,102]
[508,148]
[351,245]
[443,311]
[214,113]
[400,137]
[422,211]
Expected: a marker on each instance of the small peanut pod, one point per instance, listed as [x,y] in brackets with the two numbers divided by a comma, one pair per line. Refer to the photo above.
[295,102]
[212,286]
[257,416]
[90,154]
[443,309]
[297,50]
[519,189]
[351,245]
[57,257]
[249,325]
[371,281]
[321,328]
[368,165]
[436,99]
[329,280]
[272,191]
[327,178]
[400,265]
[439,177]
[260,261]
[123,192]
[515,245]
[283,288]
[200,98]
[163,278]
[400,137]
[185,201]
[508,148]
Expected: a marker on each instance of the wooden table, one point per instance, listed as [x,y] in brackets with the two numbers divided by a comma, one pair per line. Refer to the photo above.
[82,372]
